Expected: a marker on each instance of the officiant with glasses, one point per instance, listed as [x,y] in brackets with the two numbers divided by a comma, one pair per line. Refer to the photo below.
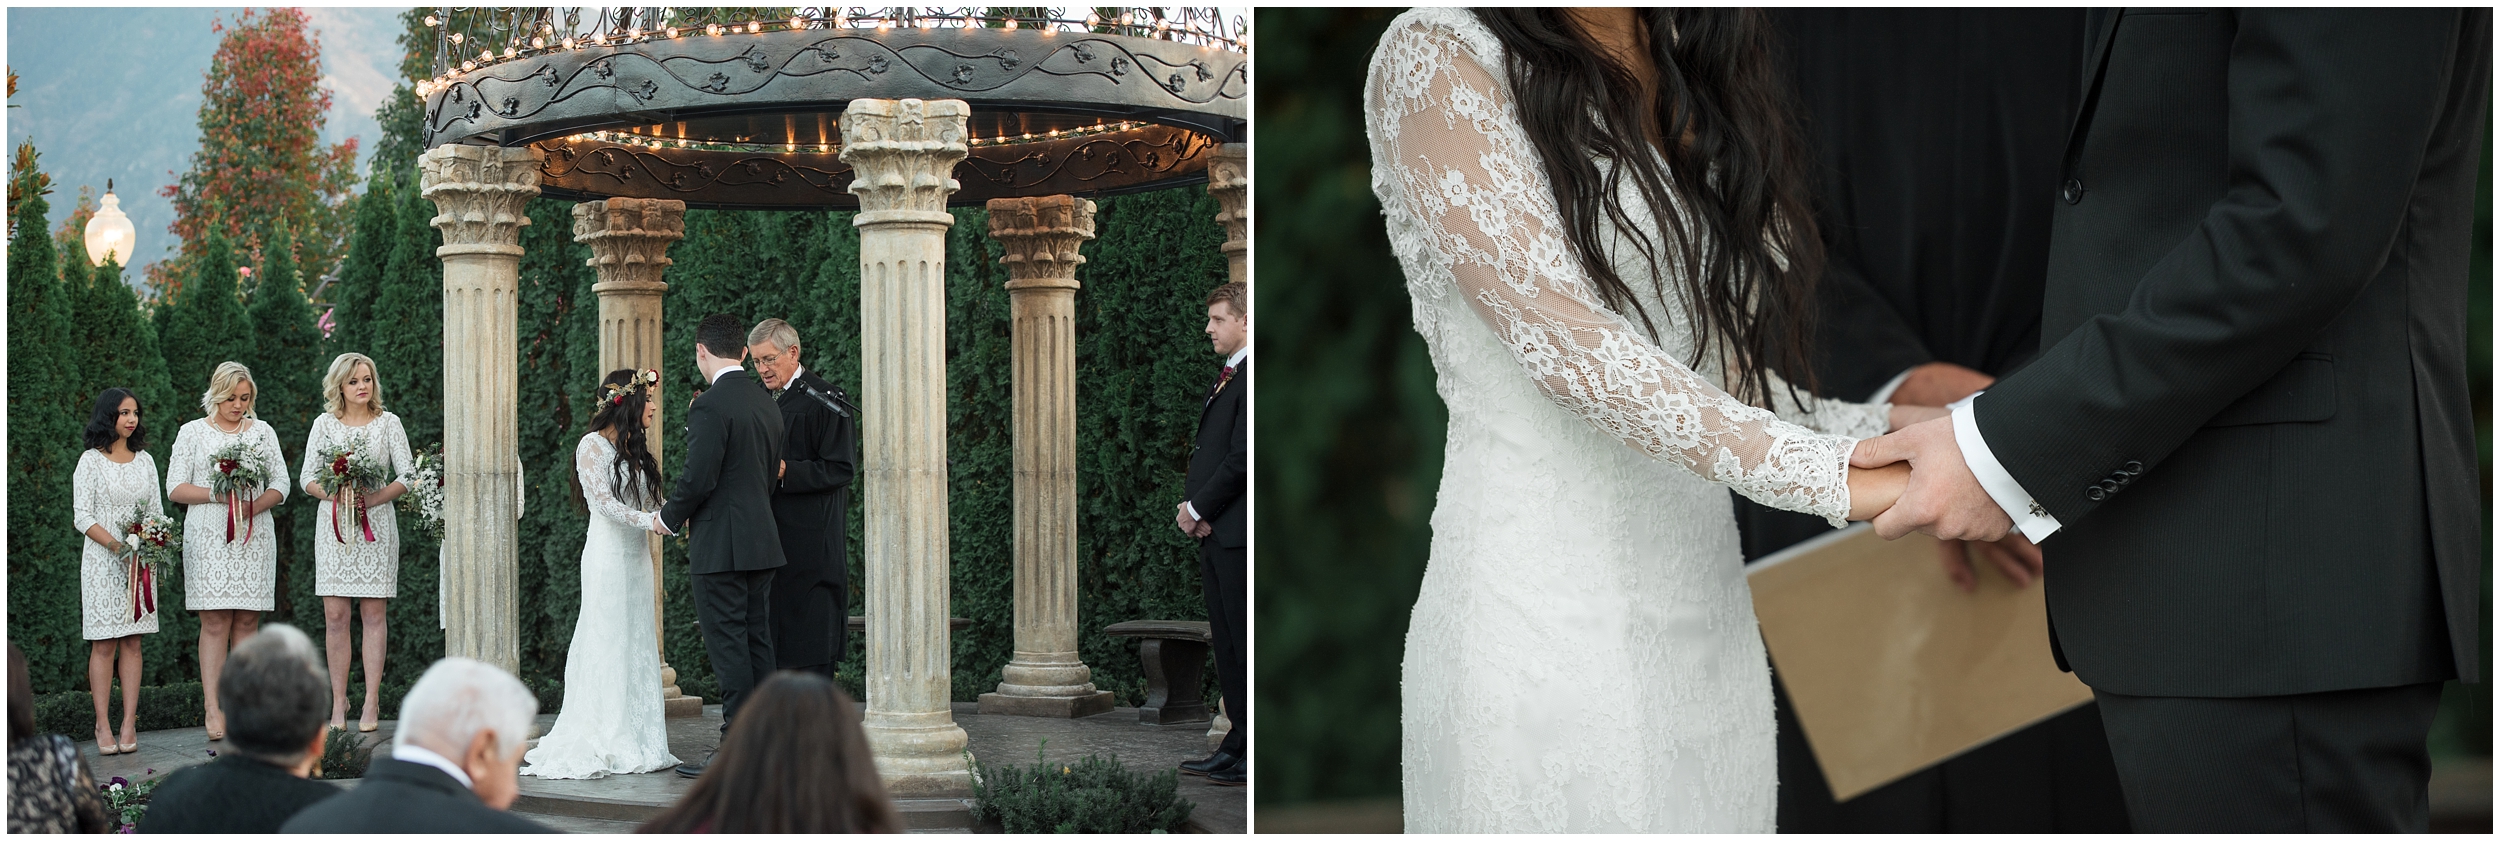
[820,454]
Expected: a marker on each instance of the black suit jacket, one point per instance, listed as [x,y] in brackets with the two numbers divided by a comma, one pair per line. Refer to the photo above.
[733,448]
[1219,467]
[231,794]
[821,445]
[2253,423]
[405,797]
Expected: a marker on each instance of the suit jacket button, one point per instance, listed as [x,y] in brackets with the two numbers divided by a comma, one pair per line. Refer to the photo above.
[2095,493]
[2072,192]
[2109,485]
[2135,468]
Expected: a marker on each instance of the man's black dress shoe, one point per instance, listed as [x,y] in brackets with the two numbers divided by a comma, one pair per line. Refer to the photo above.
[1214,762]
[1238,774]
[693,769]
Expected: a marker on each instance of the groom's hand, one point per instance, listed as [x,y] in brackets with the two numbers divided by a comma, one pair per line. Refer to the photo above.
[1188,524]
[1943,498]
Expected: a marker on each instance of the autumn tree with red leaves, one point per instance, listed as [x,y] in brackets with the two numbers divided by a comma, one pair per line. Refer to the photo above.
[261,164]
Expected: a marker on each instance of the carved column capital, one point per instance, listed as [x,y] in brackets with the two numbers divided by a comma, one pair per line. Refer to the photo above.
[903,152]
[629,240]
[1228,179]
[483,193]
[1041,236]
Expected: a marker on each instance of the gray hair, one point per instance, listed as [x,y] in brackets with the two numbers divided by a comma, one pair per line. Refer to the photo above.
[775,332]
[458,698]
[275,695]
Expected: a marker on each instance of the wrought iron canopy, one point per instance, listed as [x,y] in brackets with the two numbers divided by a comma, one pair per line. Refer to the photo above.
[655,103]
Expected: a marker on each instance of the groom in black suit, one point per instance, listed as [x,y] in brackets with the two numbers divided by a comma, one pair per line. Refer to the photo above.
[733,451]
[2248,457]
[1216,511]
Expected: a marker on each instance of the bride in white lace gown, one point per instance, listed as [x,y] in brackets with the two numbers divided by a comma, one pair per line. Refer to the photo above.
[1582,655]
[613,721]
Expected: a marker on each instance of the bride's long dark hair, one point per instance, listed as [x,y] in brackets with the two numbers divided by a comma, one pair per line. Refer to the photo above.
[635,474]
[1735,165]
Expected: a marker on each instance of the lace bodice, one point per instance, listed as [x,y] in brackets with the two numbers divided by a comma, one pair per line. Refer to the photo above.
[1471,214]
[592,465]
[383,435]
[107,494]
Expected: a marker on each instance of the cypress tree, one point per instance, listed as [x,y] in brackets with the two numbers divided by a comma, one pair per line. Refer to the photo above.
[206,324]
[368,255]
[287,364]
[44,555]
[407,321]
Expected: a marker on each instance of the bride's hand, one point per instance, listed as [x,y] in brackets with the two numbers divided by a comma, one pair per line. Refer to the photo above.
[1903,416]
[1872,492]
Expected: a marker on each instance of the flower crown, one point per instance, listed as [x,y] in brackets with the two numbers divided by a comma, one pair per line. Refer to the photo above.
[614,394]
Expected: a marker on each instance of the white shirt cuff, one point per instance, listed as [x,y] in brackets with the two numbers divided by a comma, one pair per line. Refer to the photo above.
[2029,516]
[1193,510]
[1884,395]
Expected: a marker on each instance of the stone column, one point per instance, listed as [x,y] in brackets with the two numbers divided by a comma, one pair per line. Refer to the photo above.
[1045,677]
[481,191]
[1228,179]
[629,241]
[904,154]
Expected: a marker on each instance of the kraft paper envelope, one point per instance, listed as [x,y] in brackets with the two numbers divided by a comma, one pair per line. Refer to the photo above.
[1891,668]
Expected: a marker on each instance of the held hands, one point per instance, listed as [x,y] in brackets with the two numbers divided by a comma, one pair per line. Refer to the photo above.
[1189,525]
[1941,498]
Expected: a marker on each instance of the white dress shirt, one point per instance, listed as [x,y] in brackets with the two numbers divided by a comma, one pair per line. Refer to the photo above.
[1233,362]
[421,756]
[724,371]
[2028,515]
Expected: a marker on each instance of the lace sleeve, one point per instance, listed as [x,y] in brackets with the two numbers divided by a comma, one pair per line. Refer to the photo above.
[186,457]
[1453,160]
[395,445]
[590,466]
[86,488]
[314,442]
[156,501]
[272,458]
[1829,416]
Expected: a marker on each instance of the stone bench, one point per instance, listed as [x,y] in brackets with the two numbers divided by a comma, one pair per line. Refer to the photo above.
[1175,659]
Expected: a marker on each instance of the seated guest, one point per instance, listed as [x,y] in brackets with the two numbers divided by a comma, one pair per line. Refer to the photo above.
[275,694]
[455,767]
[795,761]
[49,789]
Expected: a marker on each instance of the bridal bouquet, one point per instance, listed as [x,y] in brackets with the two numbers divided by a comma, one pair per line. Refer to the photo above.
[347,474]
[424,498]
[151,546]
[236,476]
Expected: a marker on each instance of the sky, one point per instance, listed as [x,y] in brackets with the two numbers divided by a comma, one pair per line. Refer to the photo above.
[115,93]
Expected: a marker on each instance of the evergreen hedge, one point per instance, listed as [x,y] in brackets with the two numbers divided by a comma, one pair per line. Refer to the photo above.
[1142,365]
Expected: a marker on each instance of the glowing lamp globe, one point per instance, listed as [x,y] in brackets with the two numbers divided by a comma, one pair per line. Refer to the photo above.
[110,233]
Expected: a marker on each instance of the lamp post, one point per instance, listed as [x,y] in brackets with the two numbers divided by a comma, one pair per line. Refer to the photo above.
[109,233]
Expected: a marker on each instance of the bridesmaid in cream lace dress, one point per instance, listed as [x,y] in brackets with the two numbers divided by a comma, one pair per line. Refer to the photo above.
[115,483]
[228,575]
[353,561]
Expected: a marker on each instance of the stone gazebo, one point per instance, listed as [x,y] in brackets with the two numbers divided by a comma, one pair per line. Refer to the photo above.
[640,113]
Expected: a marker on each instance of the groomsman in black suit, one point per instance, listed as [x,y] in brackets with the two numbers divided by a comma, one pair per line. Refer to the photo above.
[733,453]
[811,614]
[2248,450]
[1937,132]
[1217,513]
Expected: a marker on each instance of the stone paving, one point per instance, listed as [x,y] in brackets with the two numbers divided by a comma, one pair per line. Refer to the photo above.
[618,804]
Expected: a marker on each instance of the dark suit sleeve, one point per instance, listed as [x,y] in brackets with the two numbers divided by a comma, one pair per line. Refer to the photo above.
[1224,489]
[828,466]
[706,440]
[1861,342]
[2330,113]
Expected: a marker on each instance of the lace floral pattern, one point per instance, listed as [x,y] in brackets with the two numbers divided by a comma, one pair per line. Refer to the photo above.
[218,574]
[613,720]
[110,495]
[1582,654]
[356,568]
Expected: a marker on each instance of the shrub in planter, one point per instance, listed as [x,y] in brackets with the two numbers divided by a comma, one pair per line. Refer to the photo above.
[344,755]
[1094,794]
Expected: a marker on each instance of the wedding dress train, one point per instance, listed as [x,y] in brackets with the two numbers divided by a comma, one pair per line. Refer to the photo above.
[1582,655]
[612,721]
